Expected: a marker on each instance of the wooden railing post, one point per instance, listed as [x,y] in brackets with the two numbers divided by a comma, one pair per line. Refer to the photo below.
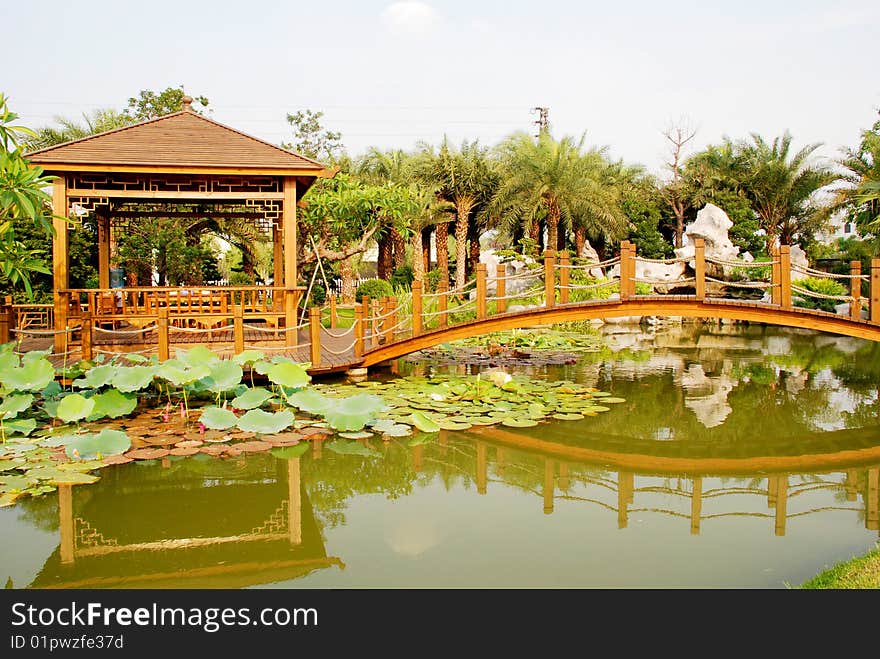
[162,331]
[87,335]
[501,288]
[416,308]
[564,264]
[785,276]
[374,322]
[392,319]
[315,336]
[700,268]
[443,302]
[238,328]
[627,270]
[62,306]
[481,291]
[333,318]
[6,322]
[359,331]
[855,305]
[875,291]
[549,278]
[775,278]
[291,304]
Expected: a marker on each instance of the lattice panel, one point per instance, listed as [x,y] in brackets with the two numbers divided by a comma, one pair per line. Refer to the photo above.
[277,522]
[78,206]
[85,536]
[268,212]
[174,183]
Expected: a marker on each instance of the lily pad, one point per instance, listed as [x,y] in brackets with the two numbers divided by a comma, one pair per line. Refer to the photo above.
[96,377]
[225,375]
[423,422]
[310,401]
[354,412]
[249,357]
[290,452]
[197,356]
[13,405]
[20,426]
[346,447]
[453,425]
[132,378]
[113,403]
[75,407]
[265,422]
[360,434]
[613,400]
[563,416]
[512,422]
[251,399]
[32,376]
[288,374]
[217,418]
[95,446]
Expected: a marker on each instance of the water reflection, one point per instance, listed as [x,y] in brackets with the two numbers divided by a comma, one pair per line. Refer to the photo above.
[741,457]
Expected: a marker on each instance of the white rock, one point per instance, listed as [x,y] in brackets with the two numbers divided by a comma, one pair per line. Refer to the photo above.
[712,225]
[592,256]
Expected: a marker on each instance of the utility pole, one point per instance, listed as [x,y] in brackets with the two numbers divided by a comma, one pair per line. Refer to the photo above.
[543,120]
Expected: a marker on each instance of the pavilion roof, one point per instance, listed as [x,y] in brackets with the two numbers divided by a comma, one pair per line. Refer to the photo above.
[183,140]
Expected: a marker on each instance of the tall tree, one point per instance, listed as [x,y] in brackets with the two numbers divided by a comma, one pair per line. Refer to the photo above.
[678,136]
[859,198]
[311,139]
[465,178]
[66,129]
[149,104]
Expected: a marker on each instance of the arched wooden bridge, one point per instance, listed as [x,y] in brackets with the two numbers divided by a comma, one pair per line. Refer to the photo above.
[558,290]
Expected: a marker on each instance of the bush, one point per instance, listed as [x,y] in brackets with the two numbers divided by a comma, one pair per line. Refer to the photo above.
[822,286]
[402,277]
[318,296]
[373,289]
[241,279]
[433,279]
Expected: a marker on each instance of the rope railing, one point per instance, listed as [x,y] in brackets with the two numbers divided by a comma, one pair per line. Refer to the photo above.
[821,274]
[199,330]
[531,274]
[139,330]
[468,285]
[586,287]
[821,296]
[276,330]
[37,332]
[743,284]
[337,335]
[528,293]
[253,346]
[678,259]
[344,351]
[645,280]
[589,266]
[741,264]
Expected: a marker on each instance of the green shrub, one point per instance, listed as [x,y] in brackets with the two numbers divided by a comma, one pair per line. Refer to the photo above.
[819,285]
[402,277]
[318,296]
[432,280]
[241,279]
[373,289]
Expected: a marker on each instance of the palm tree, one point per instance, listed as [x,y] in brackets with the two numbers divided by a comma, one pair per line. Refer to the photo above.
[426,211]
[465,178]
[782,186]
[555,179]
[861,197]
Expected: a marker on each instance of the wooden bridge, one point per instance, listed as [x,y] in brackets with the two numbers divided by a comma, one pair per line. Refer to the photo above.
[152,320]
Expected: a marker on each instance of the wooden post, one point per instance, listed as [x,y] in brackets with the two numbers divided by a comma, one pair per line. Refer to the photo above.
[365,316]
[65,518]
[103,221]
[481,291]
[277,265]
[624,493]
[549,278]
[294,502]
[700,268]
[482,468]
[443,302]
[501,288]
[500,464]
[87,335]
[775,278]
[6,323]
[315,335]
[874,312]
[781,500]
[417,457]
[359,331]
[374,322]
[564,264]
[162,331]
[291,305]
[564,482]
[238,328]
[855,287]
[627,270]
[549,485]
[696,502]
[334,321]
[872,500]
[785,276]
[288,228]
[772,484]
[416,308]
[60,279]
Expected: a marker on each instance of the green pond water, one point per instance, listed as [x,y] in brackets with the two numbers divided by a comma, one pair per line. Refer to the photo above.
[742,457]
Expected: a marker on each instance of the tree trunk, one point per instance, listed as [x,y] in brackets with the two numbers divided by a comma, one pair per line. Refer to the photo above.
[473,250]
[441,238]
[346,273]
[580,239]
[535,234]
[562,240]
[418,262]
[398,247]
[384,260]
[463,212]
[552,225]
[426,249]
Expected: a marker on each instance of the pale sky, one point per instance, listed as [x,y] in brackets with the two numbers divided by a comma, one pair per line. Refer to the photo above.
[388,74]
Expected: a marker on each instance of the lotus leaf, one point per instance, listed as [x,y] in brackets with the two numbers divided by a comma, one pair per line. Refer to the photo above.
[133,378]
[6,465]
[75,407]
[518,423]
[12,405]
[345,447]
[600,394]
[290,452]
[563,416]
[114,404]
[423,422]
[180,374]
[265,423]
[97,445]
[251,398]
[20,426]
[31,376]
[360,434]
[197,356]
[422,438]
[96,377]
[225,375]
[249,357]
[217,418]
[354,412]
[310,401]
[453,425]
[8,360]
[288,374]
[134,358]
[262,367]
[598,408]
[613,400]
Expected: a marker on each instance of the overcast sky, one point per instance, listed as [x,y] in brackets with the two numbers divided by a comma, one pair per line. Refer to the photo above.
[388,74]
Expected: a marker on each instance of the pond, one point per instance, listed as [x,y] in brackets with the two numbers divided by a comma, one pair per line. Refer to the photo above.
[743,456]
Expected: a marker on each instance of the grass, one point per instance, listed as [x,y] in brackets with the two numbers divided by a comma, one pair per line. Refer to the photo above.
[860,572]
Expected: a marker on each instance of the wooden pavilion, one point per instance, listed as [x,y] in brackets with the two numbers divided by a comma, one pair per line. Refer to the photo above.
[179,165]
